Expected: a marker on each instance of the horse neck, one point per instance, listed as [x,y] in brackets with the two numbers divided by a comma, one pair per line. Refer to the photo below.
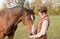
[18,11]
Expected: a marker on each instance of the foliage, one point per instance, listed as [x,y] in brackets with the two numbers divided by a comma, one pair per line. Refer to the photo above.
[20,2]
[36,4]
[55,11]
[36,12]
[27,5]
[3,6]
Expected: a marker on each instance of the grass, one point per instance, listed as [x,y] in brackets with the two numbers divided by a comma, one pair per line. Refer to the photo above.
[53,31]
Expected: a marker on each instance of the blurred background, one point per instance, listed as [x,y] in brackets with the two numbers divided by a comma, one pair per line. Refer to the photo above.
[53,11]
[53,5]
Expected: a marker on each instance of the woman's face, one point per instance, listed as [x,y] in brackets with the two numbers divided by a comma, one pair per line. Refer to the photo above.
[42,15]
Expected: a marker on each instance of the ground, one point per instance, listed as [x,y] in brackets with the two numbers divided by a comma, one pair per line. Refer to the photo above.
[53,31]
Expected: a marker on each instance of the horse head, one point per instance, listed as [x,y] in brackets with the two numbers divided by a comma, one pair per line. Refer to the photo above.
[28,19]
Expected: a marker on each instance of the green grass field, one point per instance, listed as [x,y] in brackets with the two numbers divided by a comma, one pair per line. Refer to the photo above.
[53,31]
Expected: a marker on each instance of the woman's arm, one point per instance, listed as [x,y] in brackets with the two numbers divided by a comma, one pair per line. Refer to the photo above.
[43,30]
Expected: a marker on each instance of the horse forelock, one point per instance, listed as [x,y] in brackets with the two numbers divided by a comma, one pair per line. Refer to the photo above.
[30,11]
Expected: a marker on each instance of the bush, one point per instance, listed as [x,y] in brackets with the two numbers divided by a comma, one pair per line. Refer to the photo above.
[53,12]
[36,12]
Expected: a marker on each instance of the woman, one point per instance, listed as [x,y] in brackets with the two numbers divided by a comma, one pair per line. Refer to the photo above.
[43,24]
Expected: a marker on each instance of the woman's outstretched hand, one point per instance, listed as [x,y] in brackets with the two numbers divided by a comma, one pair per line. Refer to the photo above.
[32,36]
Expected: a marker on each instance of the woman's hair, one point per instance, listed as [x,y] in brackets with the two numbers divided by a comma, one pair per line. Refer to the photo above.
[42,9]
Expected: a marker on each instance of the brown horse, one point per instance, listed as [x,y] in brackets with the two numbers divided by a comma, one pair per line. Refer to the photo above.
[9,18]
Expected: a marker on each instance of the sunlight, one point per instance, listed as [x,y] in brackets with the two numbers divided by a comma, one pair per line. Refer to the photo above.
[1,2]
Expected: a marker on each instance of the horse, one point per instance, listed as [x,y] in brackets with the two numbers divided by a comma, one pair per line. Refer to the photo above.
[10,17]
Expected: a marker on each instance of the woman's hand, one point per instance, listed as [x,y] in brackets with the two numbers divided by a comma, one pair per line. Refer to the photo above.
[32,36]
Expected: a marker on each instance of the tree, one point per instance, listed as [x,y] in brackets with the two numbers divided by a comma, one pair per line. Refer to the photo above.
[55,3]
[3,6]
[12,3]
[36,3]
[48,4]
[27,5]
[20,2]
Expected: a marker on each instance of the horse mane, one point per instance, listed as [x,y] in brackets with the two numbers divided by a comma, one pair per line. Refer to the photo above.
[4,11]
[30,11]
